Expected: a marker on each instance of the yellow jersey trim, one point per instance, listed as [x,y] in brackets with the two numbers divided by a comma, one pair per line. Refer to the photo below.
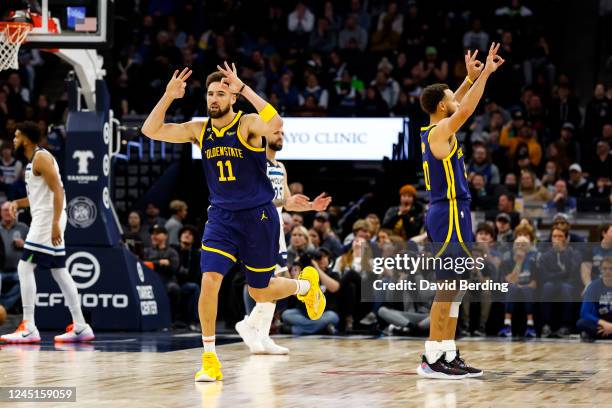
[424,128]
[218,251]
[221,132]
[248,146]
[201,138]
[260,269]
[453,150]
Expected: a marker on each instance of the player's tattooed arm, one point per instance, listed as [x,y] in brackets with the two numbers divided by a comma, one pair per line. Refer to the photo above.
[154,126]
[44,165]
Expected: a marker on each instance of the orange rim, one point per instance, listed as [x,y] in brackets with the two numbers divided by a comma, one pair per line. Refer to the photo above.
[15,32]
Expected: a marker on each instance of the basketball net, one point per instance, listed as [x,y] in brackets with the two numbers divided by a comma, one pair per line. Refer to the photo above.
[12,35]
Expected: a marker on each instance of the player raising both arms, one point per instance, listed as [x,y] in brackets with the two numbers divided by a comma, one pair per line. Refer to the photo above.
[243,225]
[448,223]
[262,314]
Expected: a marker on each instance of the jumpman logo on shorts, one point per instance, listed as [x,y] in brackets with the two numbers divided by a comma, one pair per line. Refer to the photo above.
[263,216]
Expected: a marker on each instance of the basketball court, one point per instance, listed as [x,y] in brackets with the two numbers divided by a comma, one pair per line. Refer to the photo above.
[157,370]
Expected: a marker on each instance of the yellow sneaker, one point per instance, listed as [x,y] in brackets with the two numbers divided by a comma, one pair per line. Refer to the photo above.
[314,299]
[211,368]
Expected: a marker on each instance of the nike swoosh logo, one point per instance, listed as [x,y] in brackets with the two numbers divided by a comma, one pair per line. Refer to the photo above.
[78,333]
[24,335]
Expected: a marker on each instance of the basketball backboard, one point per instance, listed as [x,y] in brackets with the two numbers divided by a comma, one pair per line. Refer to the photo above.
[67,23]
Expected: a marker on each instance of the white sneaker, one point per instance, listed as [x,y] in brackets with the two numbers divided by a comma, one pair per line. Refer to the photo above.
[76,334]
[270,347]
[25,333]
[250,336]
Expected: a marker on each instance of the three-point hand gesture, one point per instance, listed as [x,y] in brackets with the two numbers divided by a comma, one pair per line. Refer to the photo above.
[177,84]
[231,80]
[321,202]
[494,61]
[472,65]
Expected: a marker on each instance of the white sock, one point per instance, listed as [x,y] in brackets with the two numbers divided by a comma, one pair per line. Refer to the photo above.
[209,344]
[71,296]
[27,283]
[450,348]
[433,351]
[303,286]
[530,322]
[507,322]
[254,319]
[266,317]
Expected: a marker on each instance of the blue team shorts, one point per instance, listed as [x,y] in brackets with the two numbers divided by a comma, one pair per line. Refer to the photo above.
[249,237]
[449,228]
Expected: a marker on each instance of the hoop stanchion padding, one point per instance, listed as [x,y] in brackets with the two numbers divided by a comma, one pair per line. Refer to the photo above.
[12,35]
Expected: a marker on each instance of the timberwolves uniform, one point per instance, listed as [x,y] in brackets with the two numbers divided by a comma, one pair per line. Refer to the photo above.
[38,248]
[448,223]
[243,224]
[276,174]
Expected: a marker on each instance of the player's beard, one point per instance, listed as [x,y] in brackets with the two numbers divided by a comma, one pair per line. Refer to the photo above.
[450,110]
[220,113]
[276,146]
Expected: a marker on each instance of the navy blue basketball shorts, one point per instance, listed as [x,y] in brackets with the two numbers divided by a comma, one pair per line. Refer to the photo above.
[43,260]
[249,237]
[449,228]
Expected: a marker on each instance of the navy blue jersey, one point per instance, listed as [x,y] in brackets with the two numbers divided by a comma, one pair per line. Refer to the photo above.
[235,171]
[446,179]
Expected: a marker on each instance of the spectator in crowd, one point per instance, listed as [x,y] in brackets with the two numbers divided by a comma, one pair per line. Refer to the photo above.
[374,223]
[561,201]
[512,129]
[10,170]
[562,220]
[137,235]
[598,113]
[596,311]
[482,297]
[520,272]
[567,143]
[352,36]
[406,219]
[601,163]
[297,219]
[506,203]
[178,211]
[564,108]
[152,216]
[299,244]
[288,93]
[301,20]
[189,276]
[476,38]
[534,194]
[165,262]
[577,186]
[323,39]
[486,239]
[558,271]
[551,175]
[504,229]
[13,235]
[524,138]
[330,240]
[347,94]
[393,16]
[591,266]
[360,14]
[315,238]
[287,221]
[430,70]
[296,317]
[482,197]
[320,94]
[373,104]
[388,88]
[482,164]
[385,38]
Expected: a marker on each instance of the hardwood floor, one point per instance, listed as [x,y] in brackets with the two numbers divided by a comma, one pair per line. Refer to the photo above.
[319,372]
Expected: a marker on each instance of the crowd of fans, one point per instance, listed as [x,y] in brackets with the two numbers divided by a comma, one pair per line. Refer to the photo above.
[533,148]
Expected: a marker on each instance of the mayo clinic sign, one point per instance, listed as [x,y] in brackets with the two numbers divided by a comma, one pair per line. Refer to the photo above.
[336,138]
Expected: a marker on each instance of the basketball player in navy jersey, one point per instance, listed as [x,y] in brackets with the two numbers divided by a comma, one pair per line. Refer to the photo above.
[264,312]
[243,225]
[448,221]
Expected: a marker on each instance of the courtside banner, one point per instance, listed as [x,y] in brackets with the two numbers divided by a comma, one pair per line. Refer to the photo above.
[335,138]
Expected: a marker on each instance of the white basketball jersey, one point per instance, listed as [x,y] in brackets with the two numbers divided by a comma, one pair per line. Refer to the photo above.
[39,193]
[276,174]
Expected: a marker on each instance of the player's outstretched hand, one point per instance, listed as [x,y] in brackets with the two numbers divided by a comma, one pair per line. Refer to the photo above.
[494,61]
[321,202]
[231,80]
[177,84]
[473,66]
[300,201]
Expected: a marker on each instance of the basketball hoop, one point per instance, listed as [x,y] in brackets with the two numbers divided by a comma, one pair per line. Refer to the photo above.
[12,35]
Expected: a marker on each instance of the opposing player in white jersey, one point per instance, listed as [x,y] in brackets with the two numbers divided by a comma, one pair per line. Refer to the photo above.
[44,244]
[255,328]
